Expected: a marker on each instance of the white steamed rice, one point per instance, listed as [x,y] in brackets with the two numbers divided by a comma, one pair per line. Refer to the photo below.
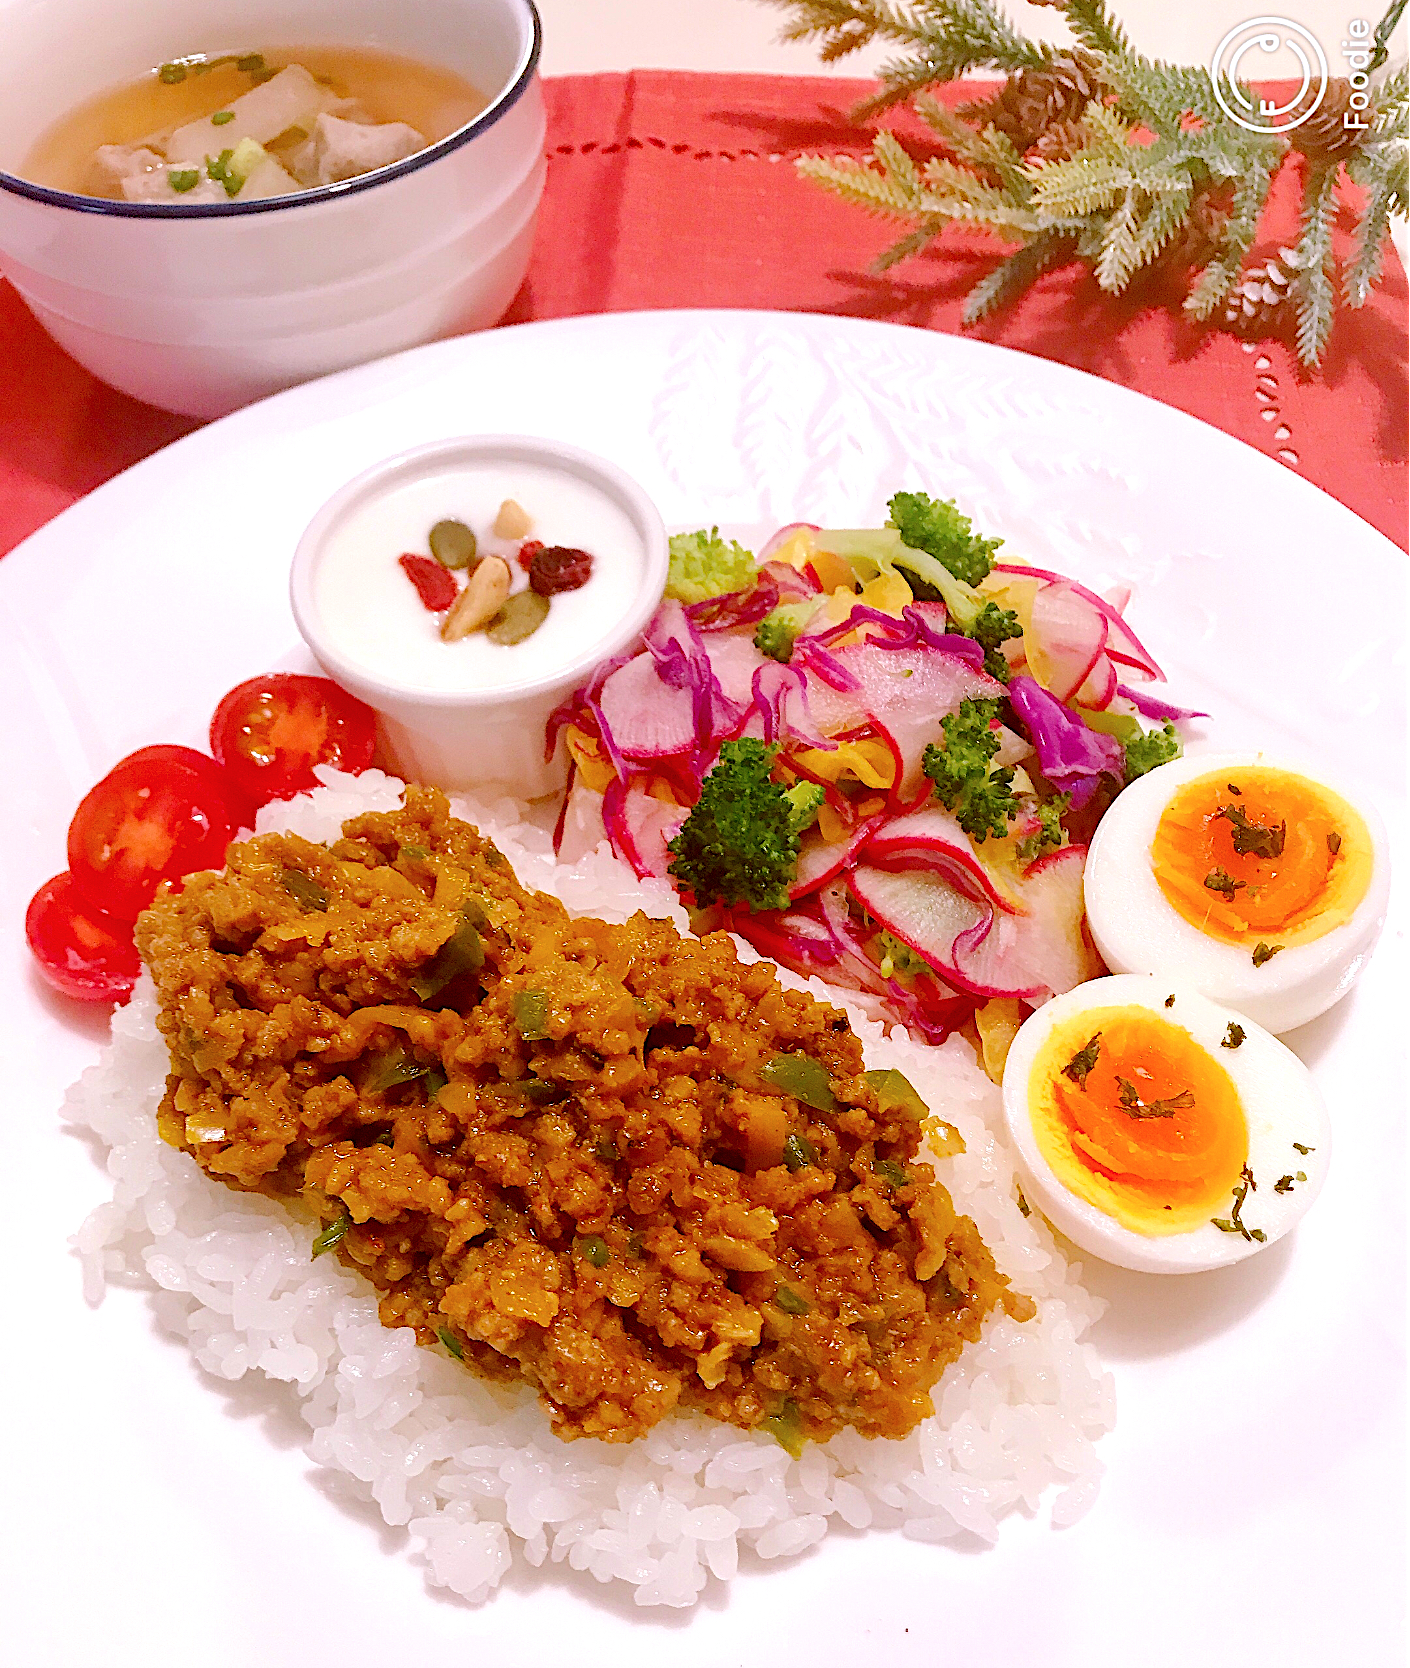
[472,1471]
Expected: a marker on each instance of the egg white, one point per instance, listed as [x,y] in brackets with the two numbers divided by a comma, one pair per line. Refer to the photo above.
[1137,930]
[1281,1105]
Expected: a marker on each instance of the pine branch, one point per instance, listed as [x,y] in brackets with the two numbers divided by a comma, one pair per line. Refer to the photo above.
[1159,226]
[1136,234]
[947,38]
[1372,230]
[1022,165]
[889,184]
[1108,132]
[1221,274]
[901,79]
[1116,260]
[897,164]
[987,149]
[1094,27]
[911,244]
[843,26]
[1312,285]
[1380,41]
[1399,180]
[1016,272]
[1081,185]
[858,182]
[1382,175]
[1392,101]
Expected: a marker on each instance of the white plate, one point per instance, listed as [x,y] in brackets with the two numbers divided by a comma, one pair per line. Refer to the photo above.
[1252,1506]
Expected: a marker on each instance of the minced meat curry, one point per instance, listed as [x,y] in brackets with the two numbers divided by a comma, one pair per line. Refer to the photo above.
[609,1160]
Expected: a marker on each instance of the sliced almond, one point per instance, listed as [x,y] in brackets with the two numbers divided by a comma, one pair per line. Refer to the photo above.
[479,602]
[513,521]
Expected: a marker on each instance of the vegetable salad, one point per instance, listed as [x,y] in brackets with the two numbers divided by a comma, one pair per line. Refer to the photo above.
[878,754]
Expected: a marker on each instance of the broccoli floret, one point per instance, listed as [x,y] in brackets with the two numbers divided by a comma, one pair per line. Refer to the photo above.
[897,957]
[705,565]
[1155,747]
[806,798]
[995,625]
[1049,834]
[776,632]
[939,528]
[982,799]
[740,844]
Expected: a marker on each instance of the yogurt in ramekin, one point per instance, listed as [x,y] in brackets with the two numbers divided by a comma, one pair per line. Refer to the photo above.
[472,712]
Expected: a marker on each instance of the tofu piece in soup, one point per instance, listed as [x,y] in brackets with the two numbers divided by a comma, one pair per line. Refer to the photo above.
[341,150]
[114,165]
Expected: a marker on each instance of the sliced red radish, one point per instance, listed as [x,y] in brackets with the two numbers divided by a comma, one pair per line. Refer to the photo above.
[1098,692]
[1034,955]
[925,912]
[819,860]
[1122,643]
[931,839]
[648,718]
[1044,950]
[640,826]
[905,692]
[1065,639]
[792,585]
[580,826]
[734,661]
[1055,943]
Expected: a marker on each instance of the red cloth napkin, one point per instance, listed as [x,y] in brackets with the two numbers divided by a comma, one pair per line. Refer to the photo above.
[672,189]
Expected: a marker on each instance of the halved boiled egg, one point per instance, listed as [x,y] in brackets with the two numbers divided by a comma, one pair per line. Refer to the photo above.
[1159,1131]
[1262,886]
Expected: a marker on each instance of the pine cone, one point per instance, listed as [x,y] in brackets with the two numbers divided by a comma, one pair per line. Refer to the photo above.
[1059,143]
[1033,101]
[1256,304]
[1324,135]
[1202,230]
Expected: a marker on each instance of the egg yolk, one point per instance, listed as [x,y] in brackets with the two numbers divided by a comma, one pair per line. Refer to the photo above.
[1137,1118]
[1255,854]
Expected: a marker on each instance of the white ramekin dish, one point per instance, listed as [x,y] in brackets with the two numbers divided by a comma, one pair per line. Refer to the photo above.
[488,737]
[200,308]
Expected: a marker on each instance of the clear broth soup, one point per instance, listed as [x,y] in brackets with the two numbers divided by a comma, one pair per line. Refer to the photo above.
[386,87]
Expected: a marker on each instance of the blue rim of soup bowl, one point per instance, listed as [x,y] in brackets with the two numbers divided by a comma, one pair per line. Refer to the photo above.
[487,117]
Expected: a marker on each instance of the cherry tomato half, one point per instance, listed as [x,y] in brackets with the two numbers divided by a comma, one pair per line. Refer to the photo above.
[80,950]
[159,814]
[269,733]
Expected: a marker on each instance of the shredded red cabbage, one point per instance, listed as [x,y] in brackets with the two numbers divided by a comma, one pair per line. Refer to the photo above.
[1072,757]
[910,631]
[771,683]
[1150,706]
[737,608]
[810,655]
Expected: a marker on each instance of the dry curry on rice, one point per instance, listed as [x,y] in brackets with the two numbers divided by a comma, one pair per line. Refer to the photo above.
[612,1161]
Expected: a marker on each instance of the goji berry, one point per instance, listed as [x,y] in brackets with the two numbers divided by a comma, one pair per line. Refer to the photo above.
[434,584]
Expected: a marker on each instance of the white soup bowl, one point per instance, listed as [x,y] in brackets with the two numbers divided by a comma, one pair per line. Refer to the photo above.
[200,308]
